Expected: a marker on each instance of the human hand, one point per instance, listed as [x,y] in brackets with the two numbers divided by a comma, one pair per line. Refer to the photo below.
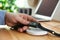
[12,19]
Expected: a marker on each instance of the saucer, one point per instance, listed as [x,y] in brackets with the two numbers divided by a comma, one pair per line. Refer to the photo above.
[36,31]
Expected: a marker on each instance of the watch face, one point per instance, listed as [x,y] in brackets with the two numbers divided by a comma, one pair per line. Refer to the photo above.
[36,31]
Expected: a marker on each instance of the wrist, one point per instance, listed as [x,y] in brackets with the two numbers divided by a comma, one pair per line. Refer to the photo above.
[6,16]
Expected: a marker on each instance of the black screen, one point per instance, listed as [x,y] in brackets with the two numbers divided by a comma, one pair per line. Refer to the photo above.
[47,7]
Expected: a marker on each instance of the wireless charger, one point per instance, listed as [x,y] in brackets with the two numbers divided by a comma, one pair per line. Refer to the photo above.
[36,31]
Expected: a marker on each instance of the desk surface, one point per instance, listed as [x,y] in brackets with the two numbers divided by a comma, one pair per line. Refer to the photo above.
[13,35]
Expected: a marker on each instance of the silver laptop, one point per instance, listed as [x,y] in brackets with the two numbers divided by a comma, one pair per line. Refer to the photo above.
[45,10]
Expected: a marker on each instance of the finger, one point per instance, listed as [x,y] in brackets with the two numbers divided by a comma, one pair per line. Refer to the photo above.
[21,20]
[24,16]
[30,18]
[20,29]
[25,28]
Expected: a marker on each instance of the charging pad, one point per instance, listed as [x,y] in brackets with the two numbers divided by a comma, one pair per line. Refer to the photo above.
[36,31]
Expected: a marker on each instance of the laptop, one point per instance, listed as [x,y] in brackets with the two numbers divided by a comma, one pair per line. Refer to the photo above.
[45,10]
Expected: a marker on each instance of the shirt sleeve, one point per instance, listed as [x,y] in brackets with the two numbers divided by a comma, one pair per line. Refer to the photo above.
[2,17]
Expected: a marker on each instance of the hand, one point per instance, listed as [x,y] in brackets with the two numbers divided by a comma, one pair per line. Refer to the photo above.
[12,19]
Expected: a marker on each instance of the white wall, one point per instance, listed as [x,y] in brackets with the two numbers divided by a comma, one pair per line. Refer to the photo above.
[57,13]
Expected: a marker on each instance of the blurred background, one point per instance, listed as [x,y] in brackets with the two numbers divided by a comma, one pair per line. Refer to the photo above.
[15,5]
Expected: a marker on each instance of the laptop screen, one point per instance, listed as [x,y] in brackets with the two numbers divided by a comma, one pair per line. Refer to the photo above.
[47,7]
